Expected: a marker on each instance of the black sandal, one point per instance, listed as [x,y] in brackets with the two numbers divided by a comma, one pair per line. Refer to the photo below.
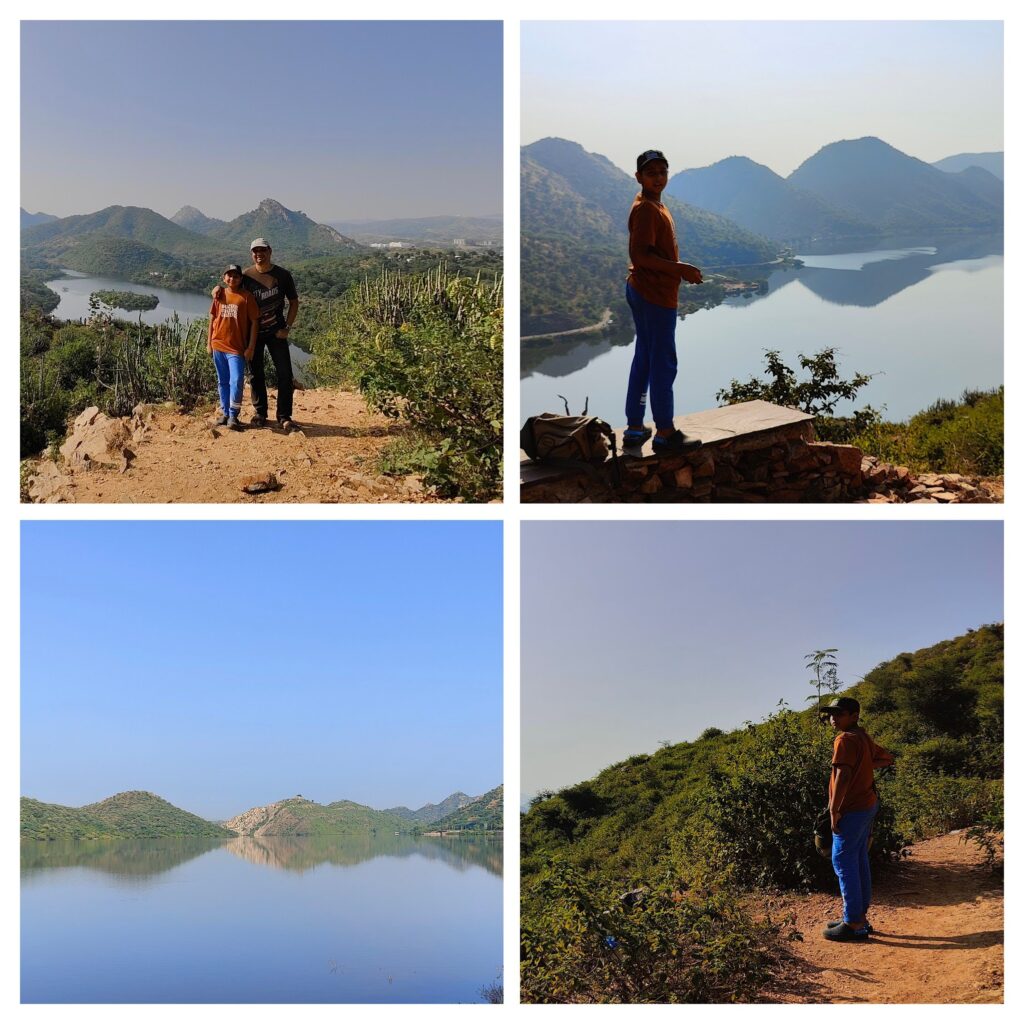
[676,442]
[635,438]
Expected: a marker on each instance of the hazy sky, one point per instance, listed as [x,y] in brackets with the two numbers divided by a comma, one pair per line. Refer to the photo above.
[637,632]
[337,119]
[772,91]
[226,665]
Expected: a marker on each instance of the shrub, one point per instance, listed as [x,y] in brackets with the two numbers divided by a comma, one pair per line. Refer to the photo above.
[927,803]
[583,940]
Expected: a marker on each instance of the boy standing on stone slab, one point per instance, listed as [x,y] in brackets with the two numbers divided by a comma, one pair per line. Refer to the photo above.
[652,291]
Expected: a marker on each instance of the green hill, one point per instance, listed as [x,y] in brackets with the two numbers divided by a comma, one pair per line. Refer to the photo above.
[290,233]
[486,812]
[297,816]
[134,814]
[432,812]
[191,219]
[574,242]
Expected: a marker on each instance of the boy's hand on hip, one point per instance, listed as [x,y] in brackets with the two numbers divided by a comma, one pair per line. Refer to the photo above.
[690,273]
[835,816]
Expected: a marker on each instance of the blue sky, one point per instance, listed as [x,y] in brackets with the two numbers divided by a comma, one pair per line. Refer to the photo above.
[337,119]
[666,628]
[223,665]
[772,91]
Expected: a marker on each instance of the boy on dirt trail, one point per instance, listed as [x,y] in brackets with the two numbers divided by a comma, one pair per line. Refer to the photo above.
[652,291]
[852,804]
[231,339]
[271,285]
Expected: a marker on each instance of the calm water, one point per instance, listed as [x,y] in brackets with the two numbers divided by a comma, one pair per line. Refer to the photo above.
[926,317]
[303,920]
[74,292]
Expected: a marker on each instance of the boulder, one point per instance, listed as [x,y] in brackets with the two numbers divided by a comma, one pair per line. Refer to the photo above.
[94,437]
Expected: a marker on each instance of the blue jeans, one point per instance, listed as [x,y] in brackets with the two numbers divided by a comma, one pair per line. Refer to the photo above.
[654,361]
[850,862]
[230,380]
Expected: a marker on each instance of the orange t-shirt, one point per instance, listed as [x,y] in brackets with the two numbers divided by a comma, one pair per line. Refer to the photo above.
[856,750]
[651,226]
[232,321]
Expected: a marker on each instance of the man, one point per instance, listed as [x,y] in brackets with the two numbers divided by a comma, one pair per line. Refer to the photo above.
[270,285]
[852,805]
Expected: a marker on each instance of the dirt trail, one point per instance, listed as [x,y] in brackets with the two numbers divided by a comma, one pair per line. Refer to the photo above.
[938,920]
[177,457]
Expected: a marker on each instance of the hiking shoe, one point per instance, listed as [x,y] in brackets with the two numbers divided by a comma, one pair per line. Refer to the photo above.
[677,441]
[288,425]
[635,438]
[221,421]
[259,420]
[233,423]
[836,924]
[842,932]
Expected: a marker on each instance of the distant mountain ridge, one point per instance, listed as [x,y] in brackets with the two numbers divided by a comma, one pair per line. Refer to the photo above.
[433,812]
[191,219]
[441,230]
[483,812]
[991,162]
[285,230]
[28,219]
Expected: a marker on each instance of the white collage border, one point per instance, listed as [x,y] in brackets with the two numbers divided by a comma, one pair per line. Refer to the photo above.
[510,512]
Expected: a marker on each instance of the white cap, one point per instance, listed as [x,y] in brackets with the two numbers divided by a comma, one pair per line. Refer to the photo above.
[259,243]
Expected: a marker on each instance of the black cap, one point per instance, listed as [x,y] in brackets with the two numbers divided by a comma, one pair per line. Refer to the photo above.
[846,704]
[232,268]
[647,156]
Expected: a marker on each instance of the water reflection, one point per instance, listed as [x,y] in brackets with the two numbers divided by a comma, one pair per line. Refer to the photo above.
[128,859]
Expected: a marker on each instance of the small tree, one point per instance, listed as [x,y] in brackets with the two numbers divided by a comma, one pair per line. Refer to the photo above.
[826,672]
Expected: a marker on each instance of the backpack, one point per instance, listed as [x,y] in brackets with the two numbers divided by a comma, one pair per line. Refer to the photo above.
[570,439]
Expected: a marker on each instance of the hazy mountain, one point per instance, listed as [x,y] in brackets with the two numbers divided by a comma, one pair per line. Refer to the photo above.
[135,814]
[441,230]
[28,219]
[758,199]
[484,812]
[433,812]
[286,230]
[132,222]
[574,211]
[297,816]
[875,182]
[191,219]
[991,162]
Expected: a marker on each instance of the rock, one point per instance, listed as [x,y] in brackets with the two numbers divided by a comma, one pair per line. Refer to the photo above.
[651,485]
[260,484]
[946,496]
[848,458]
[684,477]
[93,436]
[127,458]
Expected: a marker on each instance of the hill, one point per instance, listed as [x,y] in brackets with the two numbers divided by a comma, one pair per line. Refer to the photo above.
[130,815]
[758,199]
[574,210]
[991,162]
[28,219]
[433,812]
[289,232]
[297,816]
[191,219]
[873,181]
[485,812]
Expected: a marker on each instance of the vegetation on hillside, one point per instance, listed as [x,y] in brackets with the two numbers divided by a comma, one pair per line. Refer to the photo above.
[485,813]
[426,349]
[656,852]
[131,815]
[130,301]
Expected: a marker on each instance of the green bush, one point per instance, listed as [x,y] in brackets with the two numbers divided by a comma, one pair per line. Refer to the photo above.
[427,349]
[583,940]
[927,803]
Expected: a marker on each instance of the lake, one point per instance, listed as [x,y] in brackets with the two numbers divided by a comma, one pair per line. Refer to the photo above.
[75,290]
[926,316]
[325,919]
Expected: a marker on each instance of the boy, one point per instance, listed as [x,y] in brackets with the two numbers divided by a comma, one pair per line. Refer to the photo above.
[231,338]
[852,805]
[652,291]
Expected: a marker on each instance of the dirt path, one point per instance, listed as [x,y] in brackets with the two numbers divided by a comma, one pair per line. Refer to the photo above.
[938,920]
[176,457]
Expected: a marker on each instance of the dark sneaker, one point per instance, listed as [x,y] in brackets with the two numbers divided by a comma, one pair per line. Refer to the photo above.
[677,441]
[635,438]
[842,932]
[259,420]
[233,423]
[288,425]
[221,421]
[836,924]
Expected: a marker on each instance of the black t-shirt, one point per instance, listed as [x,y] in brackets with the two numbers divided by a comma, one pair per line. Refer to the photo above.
[271,300]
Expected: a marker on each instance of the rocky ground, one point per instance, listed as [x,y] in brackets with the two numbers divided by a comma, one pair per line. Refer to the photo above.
[159,454]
